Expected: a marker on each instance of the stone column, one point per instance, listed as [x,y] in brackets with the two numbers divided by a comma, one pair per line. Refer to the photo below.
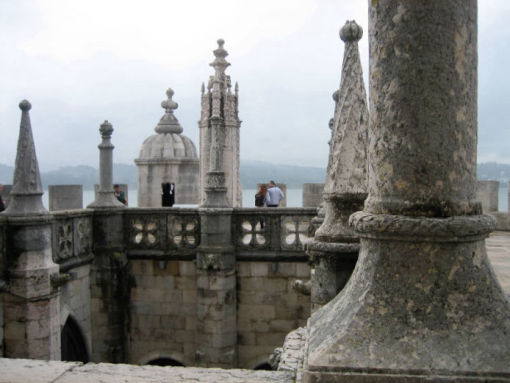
[109,276]
[104,196]
[334,250]
[423,303]
[64,197]
[216,262]
[216,292]
[110,288]
[31,298]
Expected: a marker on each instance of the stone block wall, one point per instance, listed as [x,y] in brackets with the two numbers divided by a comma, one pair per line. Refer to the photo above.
[312,194]
[75,301]
[487,194]
[63,197]
[268,308]
[163,311]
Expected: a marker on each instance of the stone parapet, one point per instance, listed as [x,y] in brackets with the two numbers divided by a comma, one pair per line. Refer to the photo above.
[312,194]
[487,192]
[22,370]
[65,197]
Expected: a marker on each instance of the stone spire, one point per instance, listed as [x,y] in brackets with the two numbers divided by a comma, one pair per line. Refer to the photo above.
[104,196]
[335,246]
[26,193]
[219,135]
[169,123]
[423,303]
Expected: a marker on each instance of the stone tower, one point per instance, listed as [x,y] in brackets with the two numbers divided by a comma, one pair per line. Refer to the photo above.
[167,156]
[219,130]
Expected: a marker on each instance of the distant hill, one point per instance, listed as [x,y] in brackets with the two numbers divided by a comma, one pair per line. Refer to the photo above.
[252,172]
[494,171]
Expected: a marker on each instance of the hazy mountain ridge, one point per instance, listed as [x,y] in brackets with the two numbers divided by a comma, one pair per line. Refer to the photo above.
[252,172]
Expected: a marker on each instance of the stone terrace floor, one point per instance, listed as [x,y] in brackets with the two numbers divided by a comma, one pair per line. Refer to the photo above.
[36,371]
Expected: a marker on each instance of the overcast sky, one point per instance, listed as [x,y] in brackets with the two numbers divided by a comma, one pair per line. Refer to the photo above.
[81,62]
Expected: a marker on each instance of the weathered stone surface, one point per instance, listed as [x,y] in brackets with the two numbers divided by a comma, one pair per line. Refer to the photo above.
[26,192]
[487,194]
[104,196]
[346,180]
[64,197]
[292,352]
[423,302]
[312,194]
[168,156]
[219,138]
[29,371]
[32,371]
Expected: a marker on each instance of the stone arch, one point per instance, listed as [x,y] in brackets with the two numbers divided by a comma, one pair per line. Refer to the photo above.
[259,363]
[263,366]
[163,358]
[72,342]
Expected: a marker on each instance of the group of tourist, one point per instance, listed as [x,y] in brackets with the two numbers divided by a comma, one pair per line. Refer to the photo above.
[268,195]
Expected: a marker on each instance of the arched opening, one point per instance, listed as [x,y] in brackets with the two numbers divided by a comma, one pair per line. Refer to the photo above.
[263,366]
[165,362]
[72,343]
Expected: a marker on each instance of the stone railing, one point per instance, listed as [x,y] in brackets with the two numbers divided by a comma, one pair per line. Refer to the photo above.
[272,233]
[72,239]
[173,232]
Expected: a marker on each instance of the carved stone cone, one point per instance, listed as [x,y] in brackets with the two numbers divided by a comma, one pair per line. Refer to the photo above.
[26,193]
[423,301]
[334,248]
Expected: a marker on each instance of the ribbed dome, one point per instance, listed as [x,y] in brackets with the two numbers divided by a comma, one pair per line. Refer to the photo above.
[166,146]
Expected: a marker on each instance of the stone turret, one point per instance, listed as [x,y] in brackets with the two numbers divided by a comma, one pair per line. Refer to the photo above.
[219,135]
[335,247]
[168,157]
[31,311]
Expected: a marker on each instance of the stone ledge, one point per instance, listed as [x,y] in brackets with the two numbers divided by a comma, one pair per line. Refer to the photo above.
[407,228]
[38,371]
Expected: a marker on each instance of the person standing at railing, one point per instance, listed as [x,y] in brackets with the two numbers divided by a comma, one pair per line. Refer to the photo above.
[119,194]
[274,195]
[260,200]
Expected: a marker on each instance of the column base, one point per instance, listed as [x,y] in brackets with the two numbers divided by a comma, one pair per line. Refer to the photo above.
[422,304]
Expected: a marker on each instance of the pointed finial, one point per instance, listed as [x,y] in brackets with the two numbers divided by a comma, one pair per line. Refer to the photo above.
[26,189]
[351,32]
[106,129]
[169,105]
[25,105]
[219,63]
[236,88]
[169,123]
[203,88]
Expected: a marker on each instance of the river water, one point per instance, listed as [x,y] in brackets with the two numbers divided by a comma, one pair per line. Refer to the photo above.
[294,198]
